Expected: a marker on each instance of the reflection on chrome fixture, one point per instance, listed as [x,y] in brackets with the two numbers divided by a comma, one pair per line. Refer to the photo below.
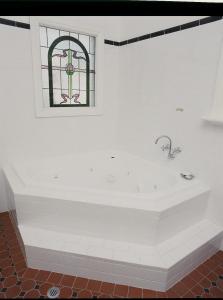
[171,153]
[187,176]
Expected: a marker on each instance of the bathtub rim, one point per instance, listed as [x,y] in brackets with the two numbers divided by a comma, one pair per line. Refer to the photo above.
[154,202]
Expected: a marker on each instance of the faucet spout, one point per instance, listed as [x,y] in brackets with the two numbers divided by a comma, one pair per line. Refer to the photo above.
[163,136]
[170,143]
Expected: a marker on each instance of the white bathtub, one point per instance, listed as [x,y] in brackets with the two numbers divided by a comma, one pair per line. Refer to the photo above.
[108,194]
[111,216]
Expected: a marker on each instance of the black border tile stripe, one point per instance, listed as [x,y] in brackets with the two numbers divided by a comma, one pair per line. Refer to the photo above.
[166,31]
[135,39]
[109,42]
[190,25]
[14,23]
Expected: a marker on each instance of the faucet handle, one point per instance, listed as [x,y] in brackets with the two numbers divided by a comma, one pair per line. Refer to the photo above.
[177,150]
[165,147]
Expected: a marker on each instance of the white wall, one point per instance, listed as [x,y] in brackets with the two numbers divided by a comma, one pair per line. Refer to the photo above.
[165,73]
[24,135]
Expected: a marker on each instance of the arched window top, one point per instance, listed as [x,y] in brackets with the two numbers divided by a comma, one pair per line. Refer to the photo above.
[70,39]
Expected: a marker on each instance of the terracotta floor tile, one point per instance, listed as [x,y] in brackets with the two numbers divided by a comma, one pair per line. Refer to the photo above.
[121,290]
[20,273]
[42,275]
[8,271]
[217,259]
[220,284]
[220,254]
[20,266]
[4,255]
[18,258]
[5,263]
[207,296]
[196,276]
[10,281]
[148,293]
[94,285]
[104,296]
[13,291]
[203,269]
[66,292]
[134,292]
[188,295]
[44,288]
[188,281]
[28,284]
[212,276]
[210,264]
[219,270]
[67,280]
[180,288]
[161,295]
[171,294]
[205,283]
[15,250]
[80,283]
[197,290]
[10,237]
[85,294]
[107,288]
[54,277]
[13,243]
[30,273]
[2,244]
[32,294]
[216,292]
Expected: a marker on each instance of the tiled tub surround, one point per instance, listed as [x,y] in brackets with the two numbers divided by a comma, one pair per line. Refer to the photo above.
[109,226]
[18,281]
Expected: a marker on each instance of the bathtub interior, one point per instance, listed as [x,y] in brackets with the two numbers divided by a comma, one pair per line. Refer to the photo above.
[112,171]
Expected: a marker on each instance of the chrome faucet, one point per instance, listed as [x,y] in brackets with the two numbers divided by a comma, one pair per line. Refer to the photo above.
[171,153]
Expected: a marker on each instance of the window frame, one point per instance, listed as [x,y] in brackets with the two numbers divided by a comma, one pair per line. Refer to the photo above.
[58,111]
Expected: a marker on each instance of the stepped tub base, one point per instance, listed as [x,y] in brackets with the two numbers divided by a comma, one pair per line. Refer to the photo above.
[158,267]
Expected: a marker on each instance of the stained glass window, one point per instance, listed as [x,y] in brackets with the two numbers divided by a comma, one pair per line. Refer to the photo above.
[68,68]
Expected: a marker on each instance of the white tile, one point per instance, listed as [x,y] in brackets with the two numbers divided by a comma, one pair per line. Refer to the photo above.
[100,252]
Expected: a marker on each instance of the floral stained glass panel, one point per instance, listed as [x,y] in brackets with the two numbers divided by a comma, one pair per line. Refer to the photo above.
[68,68]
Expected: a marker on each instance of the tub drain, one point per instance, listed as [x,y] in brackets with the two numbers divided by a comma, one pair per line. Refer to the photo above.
[53,292]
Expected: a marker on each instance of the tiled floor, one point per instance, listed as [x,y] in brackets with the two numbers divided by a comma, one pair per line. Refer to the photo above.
[18,281]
